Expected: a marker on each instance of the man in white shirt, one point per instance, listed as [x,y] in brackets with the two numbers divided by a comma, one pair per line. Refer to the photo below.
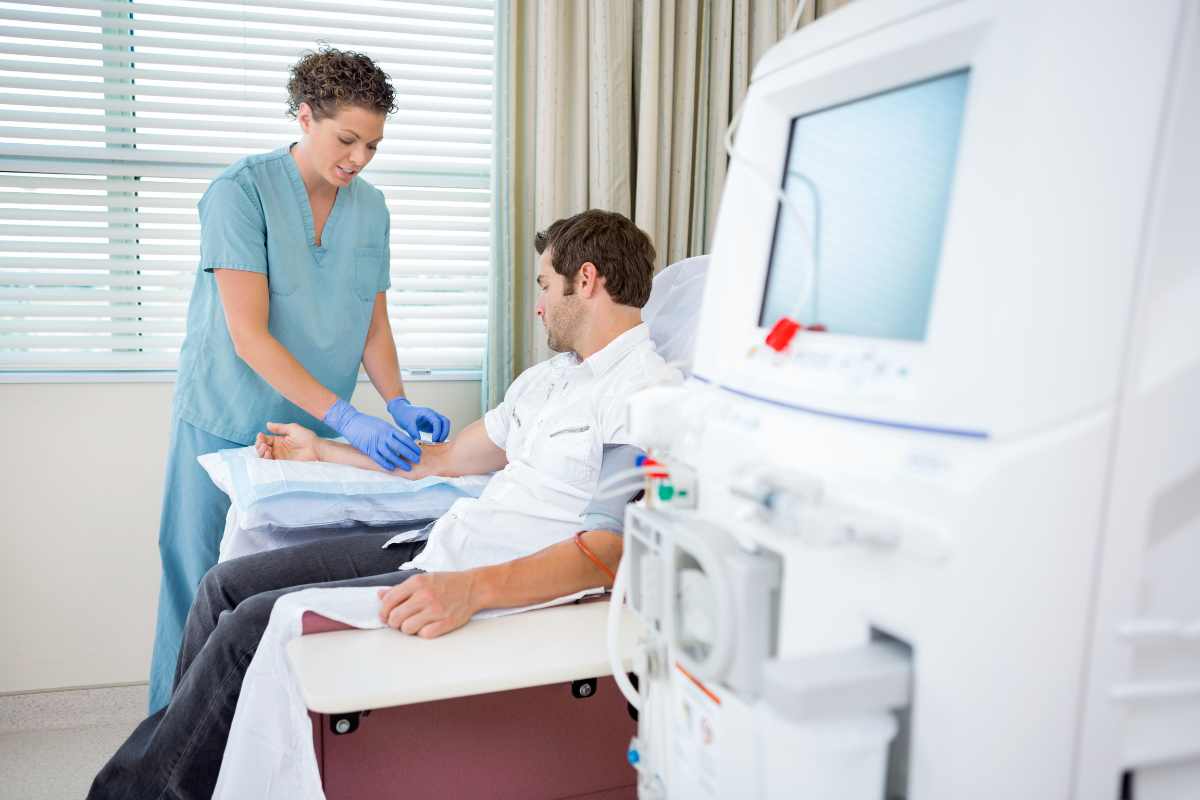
[513,546]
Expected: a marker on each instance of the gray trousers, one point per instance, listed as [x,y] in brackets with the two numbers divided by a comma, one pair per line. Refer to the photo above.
[176,752]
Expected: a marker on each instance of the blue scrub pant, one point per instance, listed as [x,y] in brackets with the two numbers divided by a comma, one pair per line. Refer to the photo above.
[189,537]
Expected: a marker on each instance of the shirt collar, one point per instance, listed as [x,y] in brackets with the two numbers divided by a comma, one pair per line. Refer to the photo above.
[607,357]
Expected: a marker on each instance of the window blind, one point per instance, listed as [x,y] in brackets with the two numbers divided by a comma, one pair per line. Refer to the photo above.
[114,116]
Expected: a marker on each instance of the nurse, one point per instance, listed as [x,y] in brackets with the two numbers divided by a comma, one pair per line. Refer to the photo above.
[289,301]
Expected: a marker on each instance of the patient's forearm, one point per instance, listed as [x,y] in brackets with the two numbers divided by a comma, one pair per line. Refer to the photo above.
[435,603]
[342,453]
[558,570]
[471,452]
[333,452]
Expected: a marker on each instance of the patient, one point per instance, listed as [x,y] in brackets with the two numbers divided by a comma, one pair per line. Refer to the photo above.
[512,546]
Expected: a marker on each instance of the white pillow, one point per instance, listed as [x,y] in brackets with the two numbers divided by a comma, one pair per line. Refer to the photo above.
[269,495]
[673,311]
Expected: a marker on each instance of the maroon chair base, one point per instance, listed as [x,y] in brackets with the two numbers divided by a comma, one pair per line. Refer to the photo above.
[555,742]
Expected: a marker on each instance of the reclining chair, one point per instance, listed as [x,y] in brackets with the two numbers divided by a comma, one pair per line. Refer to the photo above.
[520,706]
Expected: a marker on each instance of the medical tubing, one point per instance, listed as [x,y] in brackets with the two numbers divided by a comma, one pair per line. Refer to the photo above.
[583,548]
[614,638]
[811,279]
[790,205]
[794,22]
[617,491]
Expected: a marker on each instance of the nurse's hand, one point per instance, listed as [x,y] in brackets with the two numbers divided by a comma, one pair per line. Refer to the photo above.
[414,419]
[387,447]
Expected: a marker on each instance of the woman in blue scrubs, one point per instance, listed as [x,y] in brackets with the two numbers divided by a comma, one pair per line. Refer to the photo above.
[289,301]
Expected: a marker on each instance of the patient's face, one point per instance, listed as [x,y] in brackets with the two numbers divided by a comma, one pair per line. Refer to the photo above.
[561,313]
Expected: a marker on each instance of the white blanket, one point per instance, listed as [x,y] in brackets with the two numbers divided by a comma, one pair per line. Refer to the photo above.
[269,754]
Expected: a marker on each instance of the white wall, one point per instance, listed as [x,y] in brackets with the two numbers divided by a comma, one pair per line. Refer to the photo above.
[81,485]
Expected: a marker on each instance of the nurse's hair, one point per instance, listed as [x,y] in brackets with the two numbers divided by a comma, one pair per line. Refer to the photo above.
[330,79]
[622,252]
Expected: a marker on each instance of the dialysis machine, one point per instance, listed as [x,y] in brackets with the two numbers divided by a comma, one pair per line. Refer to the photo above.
[942,440]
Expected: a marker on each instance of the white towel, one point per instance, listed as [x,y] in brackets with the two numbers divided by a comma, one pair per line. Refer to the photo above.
[270,752]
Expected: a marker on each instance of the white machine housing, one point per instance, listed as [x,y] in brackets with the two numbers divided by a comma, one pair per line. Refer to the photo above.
[1017,497]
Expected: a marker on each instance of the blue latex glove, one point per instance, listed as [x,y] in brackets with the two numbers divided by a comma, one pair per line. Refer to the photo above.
[388,447]
[414,419]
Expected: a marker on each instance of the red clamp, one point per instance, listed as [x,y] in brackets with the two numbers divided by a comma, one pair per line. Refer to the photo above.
[650,462]
[782,334]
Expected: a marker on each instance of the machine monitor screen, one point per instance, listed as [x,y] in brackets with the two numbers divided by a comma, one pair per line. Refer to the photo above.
[870,179]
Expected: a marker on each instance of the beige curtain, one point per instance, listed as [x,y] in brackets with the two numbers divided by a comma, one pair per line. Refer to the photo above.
[622,105]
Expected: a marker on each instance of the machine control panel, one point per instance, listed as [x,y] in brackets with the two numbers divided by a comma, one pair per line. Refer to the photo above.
[838,370]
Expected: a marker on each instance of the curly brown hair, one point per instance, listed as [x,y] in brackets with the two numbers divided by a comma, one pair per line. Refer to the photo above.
[329,79]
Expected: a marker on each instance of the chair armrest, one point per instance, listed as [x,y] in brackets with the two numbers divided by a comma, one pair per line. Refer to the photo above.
[355,670]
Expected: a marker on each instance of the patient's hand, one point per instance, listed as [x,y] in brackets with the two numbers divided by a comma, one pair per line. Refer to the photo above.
[290,442]
[431,604]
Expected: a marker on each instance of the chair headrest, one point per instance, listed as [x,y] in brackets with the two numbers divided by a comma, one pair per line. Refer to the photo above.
[673,310]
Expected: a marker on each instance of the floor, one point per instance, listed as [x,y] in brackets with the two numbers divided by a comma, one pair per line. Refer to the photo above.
[53,743]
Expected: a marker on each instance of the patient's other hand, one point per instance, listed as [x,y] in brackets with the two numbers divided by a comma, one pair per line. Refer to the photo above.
[432,604]
[290,442]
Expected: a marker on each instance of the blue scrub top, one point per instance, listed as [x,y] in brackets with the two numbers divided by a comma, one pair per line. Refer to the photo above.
[255,216]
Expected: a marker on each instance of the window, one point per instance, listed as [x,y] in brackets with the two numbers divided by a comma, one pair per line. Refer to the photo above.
[115,115]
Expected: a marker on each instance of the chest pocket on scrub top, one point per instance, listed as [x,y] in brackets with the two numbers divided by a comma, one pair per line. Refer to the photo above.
[368,271]
[569,451]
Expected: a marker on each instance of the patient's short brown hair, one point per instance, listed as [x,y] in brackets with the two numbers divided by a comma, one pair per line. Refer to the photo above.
[622,252]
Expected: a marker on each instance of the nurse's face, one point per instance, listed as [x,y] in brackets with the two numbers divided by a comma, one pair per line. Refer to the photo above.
[340,146]
[560,309]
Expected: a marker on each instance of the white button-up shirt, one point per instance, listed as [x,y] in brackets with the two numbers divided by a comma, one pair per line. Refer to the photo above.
[553,425]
